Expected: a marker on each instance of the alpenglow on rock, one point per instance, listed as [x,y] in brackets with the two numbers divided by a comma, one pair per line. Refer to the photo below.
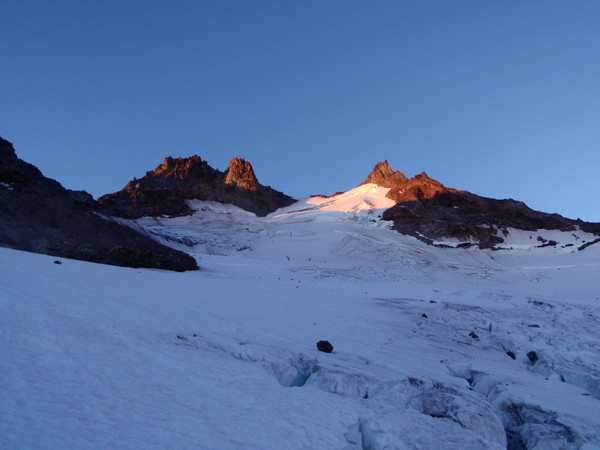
[241,174]
[432,212]
[403,189]
[38,215]
[164,190]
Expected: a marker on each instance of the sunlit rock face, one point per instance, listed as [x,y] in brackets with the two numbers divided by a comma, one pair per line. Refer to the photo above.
[383,175]
[464,219]
[164,190]
[240,173]
[403,189]
[38,215]
[438,215]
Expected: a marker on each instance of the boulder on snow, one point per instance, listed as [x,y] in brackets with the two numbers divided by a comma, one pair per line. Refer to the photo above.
[325,346]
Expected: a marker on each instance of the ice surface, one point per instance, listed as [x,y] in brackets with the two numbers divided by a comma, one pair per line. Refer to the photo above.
[96,356]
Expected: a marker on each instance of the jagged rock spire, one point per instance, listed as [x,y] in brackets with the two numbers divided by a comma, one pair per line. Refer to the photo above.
[403,189]
[241,174]
[164,190]
[184,168]
[383,175]
[38,215]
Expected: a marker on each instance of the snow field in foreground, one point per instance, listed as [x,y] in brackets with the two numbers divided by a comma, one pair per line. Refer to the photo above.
[94,356]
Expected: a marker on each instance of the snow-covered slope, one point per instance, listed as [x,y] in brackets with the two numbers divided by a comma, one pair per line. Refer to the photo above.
[94,356]
[362,198]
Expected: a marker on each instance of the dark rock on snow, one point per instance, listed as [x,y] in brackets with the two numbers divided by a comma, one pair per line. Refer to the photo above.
[325,346]
[430,211]
[469,217]
[533,357]
[164,190]
[588,244]
[38,215]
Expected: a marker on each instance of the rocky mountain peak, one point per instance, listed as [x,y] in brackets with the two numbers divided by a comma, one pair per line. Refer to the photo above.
[240,173]
[183,168]
[38,215]
[12,169]
[383,175]
[164,190]
[403,189]
[7,151]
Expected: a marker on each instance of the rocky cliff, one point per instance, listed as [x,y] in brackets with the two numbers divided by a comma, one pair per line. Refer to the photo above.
[473,219]
[164,190]
[431,212]
[37,214]
[241,174]
[403,189]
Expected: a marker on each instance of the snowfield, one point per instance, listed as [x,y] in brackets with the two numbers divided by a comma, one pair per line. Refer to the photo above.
[434,348]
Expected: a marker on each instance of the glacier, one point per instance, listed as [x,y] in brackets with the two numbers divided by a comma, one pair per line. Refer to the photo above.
[95,356]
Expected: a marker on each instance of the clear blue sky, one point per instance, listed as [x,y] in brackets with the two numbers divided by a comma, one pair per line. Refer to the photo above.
[498,98]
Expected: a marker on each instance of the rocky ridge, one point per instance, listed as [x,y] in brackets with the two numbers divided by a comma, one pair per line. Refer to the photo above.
[474,220]
[240,173]
[38,215]
[164,190]
[431,212]
[403,189]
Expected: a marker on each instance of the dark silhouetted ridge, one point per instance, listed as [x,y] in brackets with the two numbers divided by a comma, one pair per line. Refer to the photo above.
[164,190]
[38,215]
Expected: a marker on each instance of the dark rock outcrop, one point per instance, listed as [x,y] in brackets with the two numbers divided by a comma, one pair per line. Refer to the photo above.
[469,217]
[434,213]
[430,211]
[324,346]
[38,215]
[164,190]
[403,189]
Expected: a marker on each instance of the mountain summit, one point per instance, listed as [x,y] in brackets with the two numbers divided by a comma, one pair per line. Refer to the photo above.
[403,189]
[164,190]
[38,215]
[240,173]
[383,175]
[438,215]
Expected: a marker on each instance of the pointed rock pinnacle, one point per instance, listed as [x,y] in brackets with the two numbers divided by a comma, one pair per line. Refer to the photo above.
[241,174]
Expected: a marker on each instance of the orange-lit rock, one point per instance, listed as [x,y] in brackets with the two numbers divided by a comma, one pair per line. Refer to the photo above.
[164,190]
[403,189]
[240,173]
